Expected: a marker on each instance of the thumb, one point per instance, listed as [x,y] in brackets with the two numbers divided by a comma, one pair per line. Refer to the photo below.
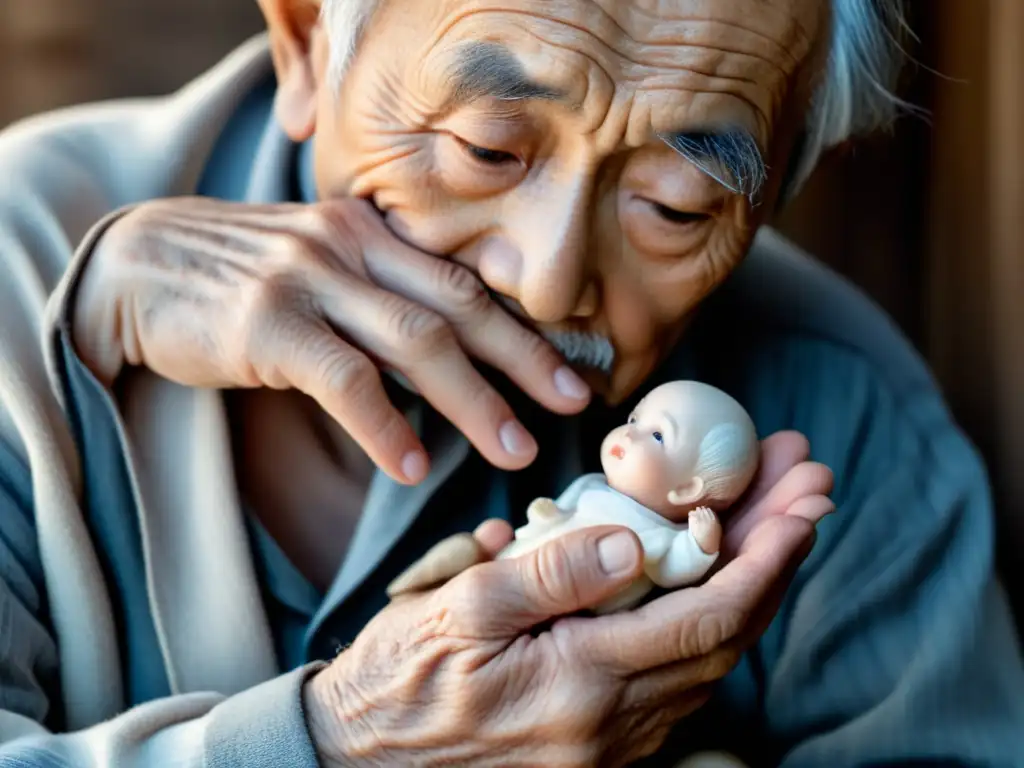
[568,574]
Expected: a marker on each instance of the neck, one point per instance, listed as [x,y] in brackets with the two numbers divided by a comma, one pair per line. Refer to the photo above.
[301,476]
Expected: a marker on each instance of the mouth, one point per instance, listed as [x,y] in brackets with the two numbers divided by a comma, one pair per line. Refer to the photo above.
[618,452]
[584,350]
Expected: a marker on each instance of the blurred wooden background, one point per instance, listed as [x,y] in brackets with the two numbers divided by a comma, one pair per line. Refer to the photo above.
[929,220]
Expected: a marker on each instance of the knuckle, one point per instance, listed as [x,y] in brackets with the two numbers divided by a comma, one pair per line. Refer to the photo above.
[471,594]
[136,223]
[348,377]
[550,570]
[339,229]
[135,238]
[316,225]
[464,294]
[291,252]
[419,331]
[713,629]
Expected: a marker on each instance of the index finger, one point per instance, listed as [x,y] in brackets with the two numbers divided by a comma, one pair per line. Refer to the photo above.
[485,329]
[692,622]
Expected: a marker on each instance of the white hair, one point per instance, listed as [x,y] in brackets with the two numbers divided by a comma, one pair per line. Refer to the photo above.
[727,460]
[855,94]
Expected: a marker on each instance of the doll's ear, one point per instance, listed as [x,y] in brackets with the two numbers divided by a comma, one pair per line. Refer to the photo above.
[687,494]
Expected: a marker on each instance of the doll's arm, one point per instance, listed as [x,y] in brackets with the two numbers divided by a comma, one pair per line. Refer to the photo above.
[678,560]
[544,512]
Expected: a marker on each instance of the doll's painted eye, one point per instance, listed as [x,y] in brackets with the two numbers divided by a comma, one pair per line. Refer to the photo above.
[632,419]
[658,436]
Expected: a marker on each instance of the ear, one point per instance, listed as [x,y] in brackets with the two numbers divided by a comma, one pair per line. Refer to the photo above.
[687,494]
[292,25]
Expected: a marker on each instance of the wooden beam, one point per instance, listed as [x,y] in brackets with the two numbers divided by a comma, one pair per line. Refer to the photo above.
[1006,222]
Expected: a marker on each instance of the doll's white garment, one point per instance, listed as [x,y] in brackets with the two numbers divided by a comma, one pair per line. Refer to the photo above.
[672,557]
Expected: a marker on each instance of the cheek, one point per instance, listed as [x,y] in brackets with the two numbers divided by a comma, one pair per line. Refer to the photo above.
[676,286]
[614,437]
[365,150]
[647,471]
[647,299]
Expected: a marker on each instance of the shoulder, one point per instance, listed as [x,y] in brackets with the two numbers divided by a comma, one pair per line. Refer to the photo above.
[588,482]
[802,348]
[64,171]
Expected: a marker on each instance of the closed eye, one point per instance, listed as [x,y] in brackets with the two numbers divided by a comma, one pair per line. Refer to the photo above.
[488,156]
[673,216]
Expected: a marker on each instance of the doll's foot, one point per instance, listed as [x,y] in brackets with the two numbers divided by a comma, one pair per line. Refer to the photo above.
[706,530]
[445,560]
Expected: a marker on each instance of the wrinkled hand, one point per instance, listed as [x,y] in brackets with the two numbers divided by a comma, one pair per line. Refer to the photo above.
[317,298]
[787,483]
[454,676]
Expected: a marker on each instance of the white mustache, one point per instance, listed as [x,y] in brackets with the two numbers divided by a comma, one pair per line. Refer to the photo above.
[589,350]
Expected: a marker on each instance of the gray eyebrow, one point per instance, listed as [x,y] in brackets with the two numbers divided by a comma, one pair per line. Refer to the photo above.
[732,158]
[491,70]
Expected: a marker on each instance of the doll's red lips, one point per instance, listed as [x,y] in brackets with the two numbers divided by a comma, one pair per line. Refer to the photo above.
[618,452]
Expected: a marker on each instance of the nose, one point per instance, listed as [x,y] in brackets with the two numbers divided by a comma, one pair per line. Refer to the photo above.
[543,261]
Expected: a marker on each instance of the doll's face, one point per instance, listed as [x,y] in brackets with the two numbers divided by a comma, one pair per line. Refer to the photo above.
[652,458]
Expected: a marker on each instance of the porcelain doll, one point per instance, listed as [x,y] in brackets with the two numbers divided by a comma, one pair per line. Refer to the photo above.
[688,451]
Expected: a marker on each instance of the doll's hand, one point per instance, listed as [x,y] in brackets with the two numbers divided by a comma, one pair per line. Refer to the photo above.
[706,530]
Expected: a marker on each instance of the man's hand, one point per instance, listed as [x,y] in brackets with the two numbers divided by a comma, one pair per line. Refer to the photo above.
[455,676]
[317,298]
[706,530]
[787,483]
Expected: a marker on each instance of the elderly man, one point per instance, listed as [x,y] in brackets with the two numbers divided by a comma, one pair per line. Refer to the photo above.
[267,340]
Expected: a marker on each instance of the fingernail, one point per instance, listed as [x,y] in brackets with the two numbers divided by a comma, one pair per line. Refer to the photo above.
[571,385]
[515,439]
[414,466]
[617,553]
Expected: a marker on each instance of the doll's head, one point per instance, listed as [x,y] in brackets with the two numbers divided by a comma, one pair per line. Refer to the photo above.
[687,444]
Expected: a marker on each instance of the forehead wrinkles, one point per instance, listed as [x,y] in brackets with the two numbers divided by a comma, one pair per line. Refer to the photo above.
[748,49]
[771,29]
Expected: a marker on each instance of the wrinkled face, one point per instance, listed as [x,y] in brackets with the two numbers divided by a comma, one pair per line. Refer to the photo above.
[653,454]
[593,161]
